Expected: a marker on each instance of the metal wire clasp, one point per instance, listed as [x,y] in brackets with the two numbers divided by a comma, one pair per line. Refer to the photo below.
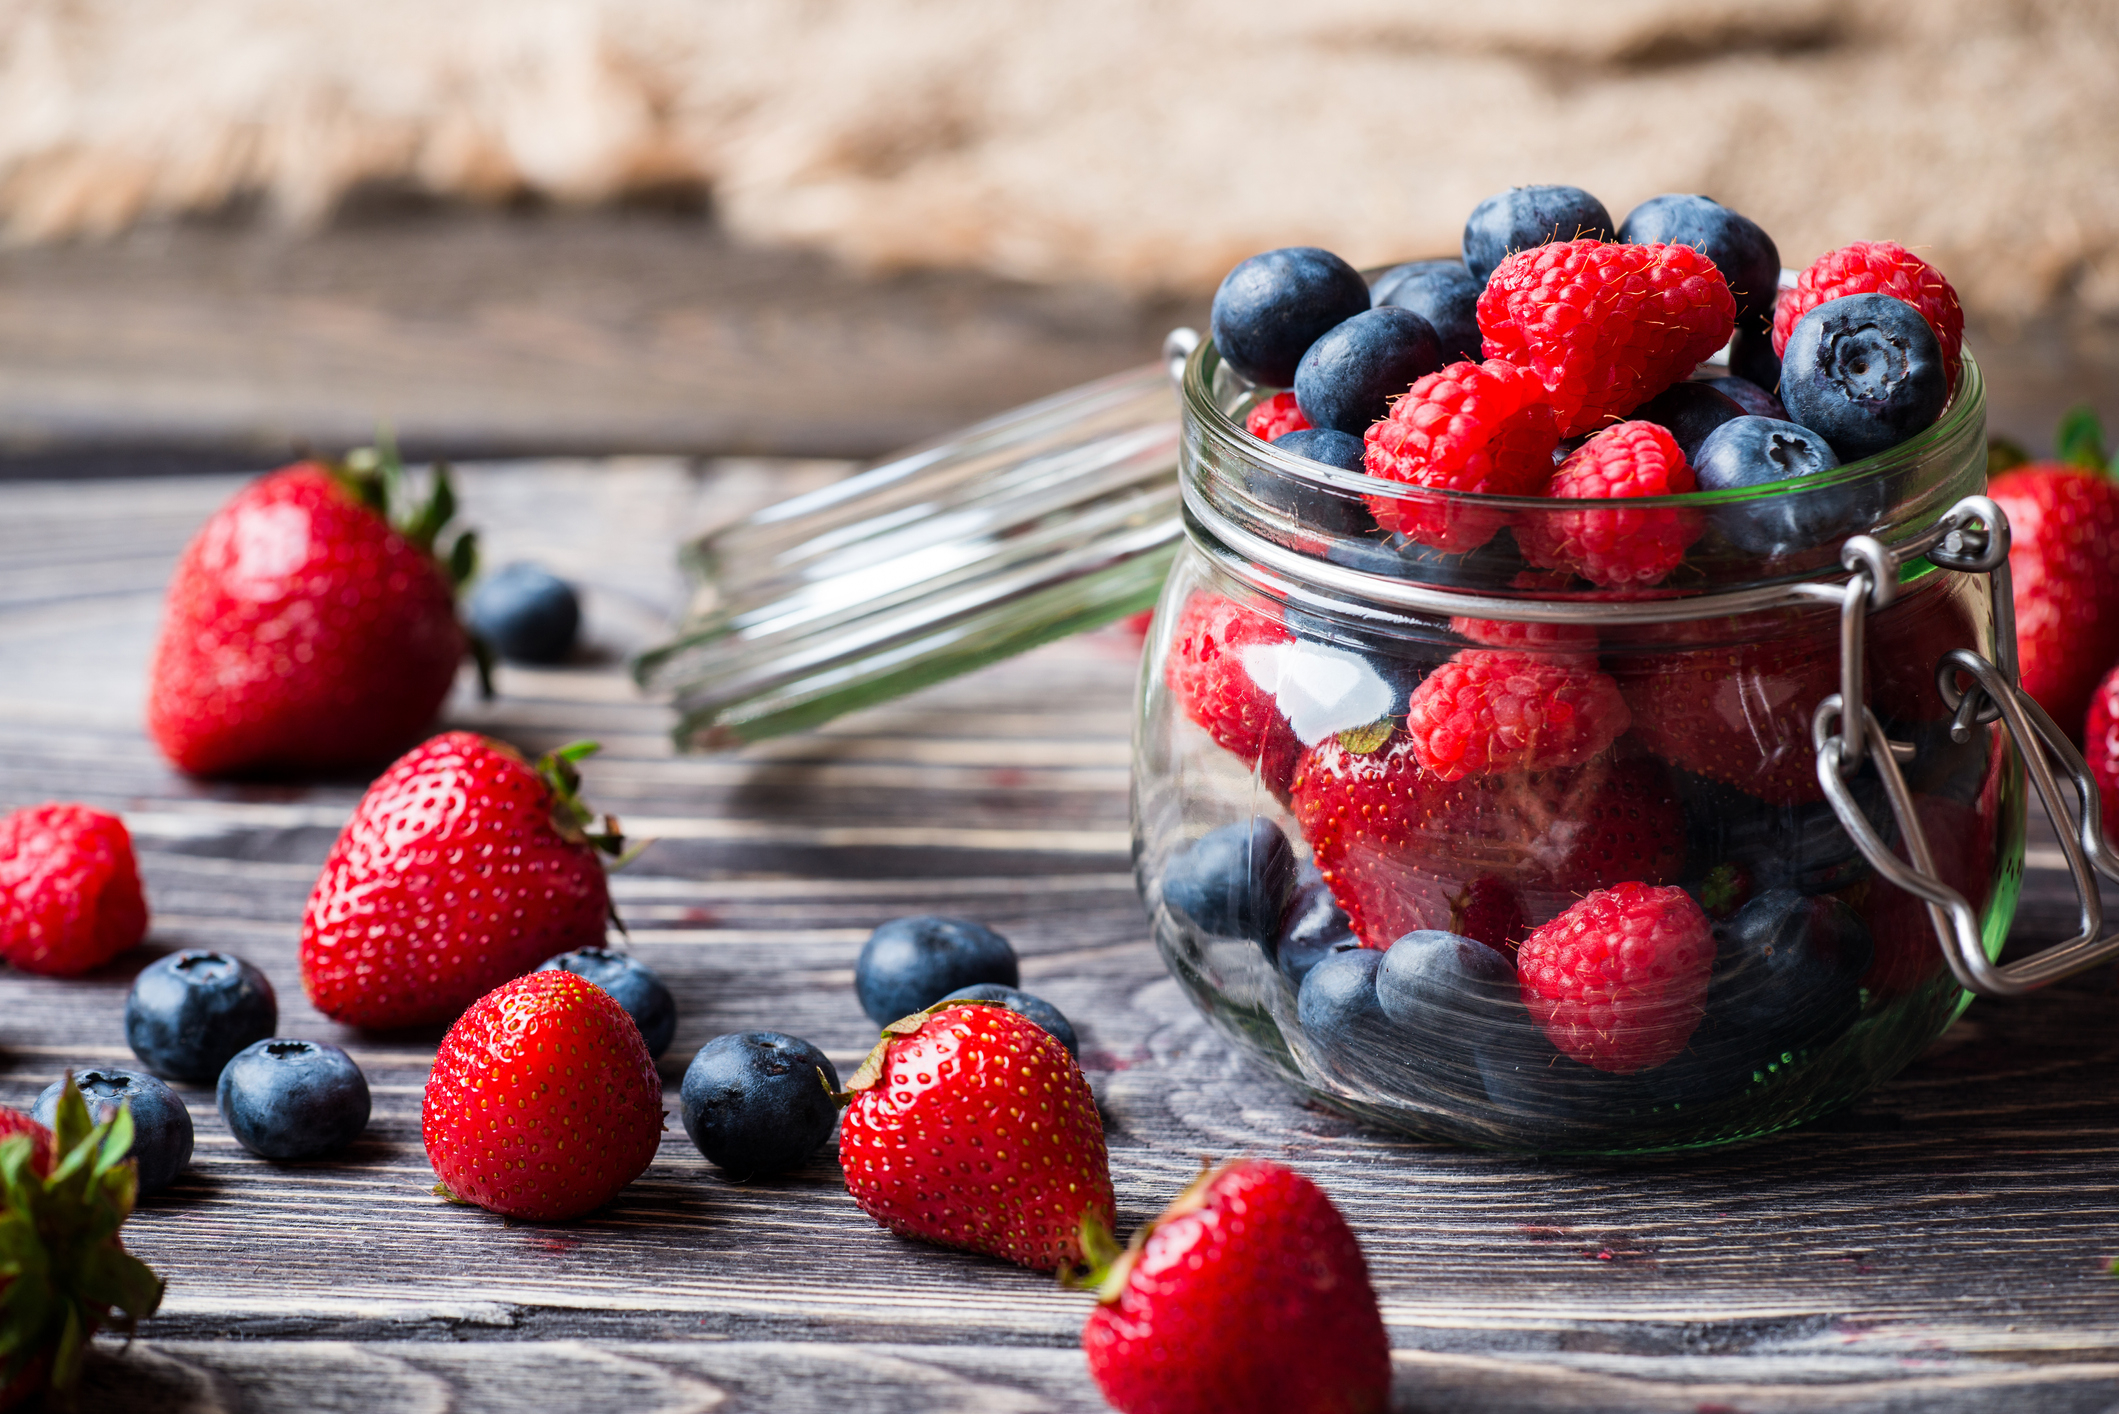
[1973,538]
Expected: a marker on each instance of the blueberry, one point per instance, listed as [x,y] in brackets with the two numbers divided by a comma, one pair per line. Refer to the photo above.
[1759,451]
[1233,882]
[1865,372]
[1272,307]
[161,1126]
[1315,928]
[286,1099]
[1688,411]
[1522,217]
[1452,999]
[190,1011]
[1751,358]
[1443,293]
[1787,974]
[1800,847]
[1035,1009]
[911,963]
[1493,565]
[632,984]
[759,1103]
[1739,248]
[1347,378]
[1309,506]
[1753,399]
[1339,1012]
[1333,448]
[527,613]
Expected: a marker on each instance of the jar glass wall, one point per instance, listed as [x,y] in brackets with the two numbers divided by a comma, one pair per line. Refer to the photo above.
[1354,742]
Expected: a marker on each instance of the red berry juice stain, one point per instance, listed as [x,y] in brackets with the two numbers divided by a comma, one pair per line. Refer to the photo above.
[699,915]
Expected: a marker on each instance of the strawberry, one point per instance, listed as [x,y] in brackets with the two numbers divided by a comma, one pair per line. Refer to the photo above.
[302,631]
[1207,671]
[1249,1295]
[462,866]
[1483,856]
[1908,954]
[542,1102]
[2064,559]
[63,1269]
[971,1126]
[1619,981]
[69,889]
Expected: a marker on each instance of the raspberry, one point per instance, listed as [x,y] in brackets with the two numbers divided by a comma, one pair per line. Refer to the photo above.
[1483,427]
[1621,546]
[1605,327]
[1275,417]
[1505,633]
[1876,267]
[69,889]
[1205,669]
[1486,711]
[1618,981]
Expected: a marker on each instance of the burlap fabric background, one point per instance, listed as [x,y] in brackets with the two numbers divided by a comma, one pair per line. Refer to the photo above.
[1148,144]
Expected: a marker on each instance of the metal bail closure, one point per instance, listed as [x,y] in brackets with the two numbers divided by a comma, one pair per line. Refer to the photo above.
[1975,540]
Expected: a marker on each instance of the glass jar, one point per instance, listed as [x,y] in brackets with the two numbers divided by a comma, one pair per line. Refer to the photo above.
[1322,817]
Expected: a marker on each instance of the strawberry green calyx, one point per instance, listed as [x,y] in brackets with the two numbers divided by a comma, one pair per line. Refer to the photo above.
[1106,1267]
[63,1271]
[573,819]
[2080,442]
[1368,740]
[375,476]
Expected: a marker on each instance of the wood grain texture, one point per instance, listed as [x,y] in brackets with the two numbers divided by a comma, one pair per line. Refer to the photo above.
[1942,1245]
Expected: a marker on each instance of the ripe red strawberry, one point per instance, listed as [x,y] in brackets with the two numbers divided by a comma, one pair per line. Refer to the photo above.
[1275,417]
[1876,267]
[63,1268]
[1487,711]
[542,1102]
[302,632]
[2064,559]
[1482,427]
[1620,546]
[1206,670]
[1249,1295]
[69,889]
[971,1126]
[462,866]
[1619,980]
[2100,747]
[1403,849]
[1605,326]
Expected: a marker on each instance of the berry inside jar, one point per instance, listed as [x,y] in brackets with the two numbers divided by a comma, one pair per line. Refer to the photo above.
[1566,879]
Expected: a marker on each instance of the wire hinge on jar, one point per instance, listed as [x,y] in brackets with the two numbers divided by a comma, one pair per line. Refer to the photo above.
[1973,538]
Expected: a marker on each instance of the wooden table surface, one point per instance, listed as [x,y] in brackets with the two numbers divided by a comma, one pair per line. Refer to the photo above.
[1942,1246]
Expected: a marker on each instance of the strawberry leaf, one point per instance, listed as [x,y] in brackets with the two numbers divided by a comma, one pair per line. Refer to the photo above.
[2004,455]
[1363,741]
[2080,440]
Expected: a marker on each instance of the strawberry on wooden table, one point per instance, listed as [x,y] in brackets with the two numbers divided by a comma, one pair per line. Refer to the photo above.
[303,631]
[971,1126]
[1249,1295]
[463,866]
[542,1103]
[70,895]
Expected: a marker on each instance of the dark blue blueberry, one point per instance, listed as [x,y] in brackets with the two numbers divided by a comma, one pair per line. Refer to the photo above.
[1311,506]
[909,964]
[1452,1000]
[1758,451]
[1787,975]
[161,1126]
[1233,882]
[1493,565]
[1739,248]
[1865,372]
[1522,217]
[1272,307]
[190,1011]
[527,613]
[1315,927]
[632,984]
[1751,358]
[1754,400]
[1348,377]
[759,1103]
[1023,1004]
[1333,448]
[285,1099]
[1443,293]
[1800,847]
[1338,1011]
[1688,411]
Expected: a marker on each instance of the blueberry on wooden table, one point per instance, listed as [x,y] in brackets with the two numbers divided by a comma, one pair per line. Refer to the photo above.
[1273,306]
[1023,1004]
[161,1126]
[191,1011]
[1347,378]
[1233,882]
[1443,293]
[632,984]
[909,964]
[758,1103]
[1523,217]
[288,1099]
[527,613]
[1865,372]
